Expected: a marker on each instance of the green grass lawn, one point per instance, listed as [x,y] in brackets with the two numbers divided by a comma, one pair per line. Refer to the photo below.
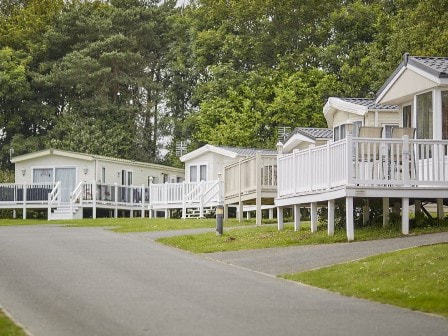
[415,278]
[132,224]
[268,236]
[8,327]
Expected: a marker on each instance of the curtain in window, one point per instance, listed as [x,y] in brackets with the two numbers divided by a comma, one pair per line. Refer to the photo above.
[43,175]
[424,116]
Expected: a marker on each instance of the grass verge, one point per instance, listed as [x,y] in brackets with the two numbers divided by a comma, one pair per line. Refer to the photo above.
[8,327]
[415,278]
[268,236]
[132,224]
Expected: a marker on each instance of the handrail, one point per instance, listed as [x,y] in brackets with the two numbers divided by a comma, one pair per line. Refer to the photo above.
[54,194]
[77,192]
[205,200]
[187,196]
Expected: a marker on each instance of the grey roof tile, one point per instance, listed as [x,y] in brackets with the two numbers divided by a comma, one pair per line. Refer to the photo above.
[438,66]
[249,151]
[312,132]
[370,103]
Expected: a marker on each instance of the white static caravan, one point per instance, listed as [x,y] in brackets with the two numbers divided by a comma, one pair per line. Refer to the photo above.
[118,182]
[399,164]
[342,113]
[249,174]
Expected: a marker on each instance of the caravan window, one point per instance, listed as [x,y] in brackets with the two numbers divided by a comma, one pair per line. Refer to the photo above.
[444,115]
[424,116]
[203,173]
[42,175]
[407,116]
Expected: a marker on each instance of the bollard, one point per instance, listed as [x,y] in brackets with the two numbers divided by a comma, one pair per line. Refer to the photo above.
[219,219]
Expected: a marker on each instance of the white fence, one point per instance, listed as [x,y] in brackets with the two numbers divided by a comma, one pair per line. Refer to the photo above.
[245,176]
[11,193]
[364,162]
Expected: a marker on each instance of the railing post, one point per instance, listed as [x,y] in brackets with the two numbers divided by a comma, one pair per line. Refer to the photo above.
[150,197]
[143,201]
[49,206]
[349,158]
[24,201]
[311,165]
[131,201]
[201,201]
[71,204]
[94,187]
[166,192]
[81,198]
[405,160]
[184,204]
[294,172]
[116,200]
[240,202]
[329,166]
[258,177]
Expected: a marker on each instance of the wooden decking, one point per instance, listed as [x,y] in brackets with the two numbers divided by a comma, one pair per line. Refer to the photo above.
[251,181]
[184,196]
[364,168]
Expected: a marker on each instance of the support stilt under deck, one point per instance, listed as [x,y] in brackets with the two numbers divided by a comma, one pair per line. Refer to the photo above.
[331,217]
[418,206]
[280,223]
[385,211]
[296,217]
[349,218]
[440,213]
[271,213]
[313,217]
[365,212]
[405,215]
[240,211]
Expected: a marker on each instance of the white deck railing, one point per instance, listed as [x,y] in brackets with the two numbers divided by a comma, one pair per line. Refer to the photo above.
[246,175]
[364,162]
[12,193]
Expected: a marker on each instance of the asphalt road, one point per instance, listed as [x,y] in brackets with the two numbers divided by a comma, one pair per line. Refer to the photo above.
[88,281]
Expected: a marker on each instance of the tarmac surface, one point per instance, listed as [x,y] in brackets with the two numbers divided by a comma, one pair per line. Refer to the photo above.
[60,281]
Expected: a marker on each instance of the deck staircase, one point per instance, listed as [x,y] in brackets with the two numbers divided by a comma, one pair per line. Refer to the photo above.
[58,210]
[64,211]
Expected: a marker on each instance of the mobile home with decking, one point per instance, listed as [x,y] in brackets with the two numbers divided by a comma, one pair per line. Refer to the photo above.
[369,159]
[101,182]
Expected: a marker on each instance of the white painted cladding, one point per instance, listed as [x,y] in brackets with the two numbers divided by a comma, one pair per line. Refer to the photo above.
[407,85]
[53,161]
[215,164]
[94,170]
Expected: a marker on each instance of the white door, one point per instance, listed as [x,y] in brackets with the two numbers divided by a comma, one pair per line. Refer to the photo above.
[67,176]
